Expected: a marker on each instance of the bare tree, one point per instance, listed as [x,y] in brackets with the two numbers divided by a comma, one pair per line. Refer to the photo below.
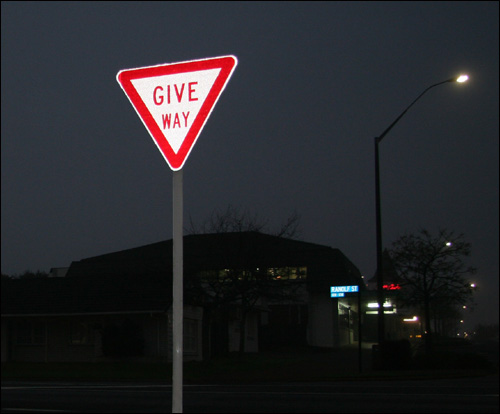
[242,282]
[434,272]
[234,219]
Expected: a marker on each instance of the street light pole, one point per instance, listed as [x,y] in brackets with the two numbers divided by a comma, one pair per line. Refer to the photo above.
[380,266]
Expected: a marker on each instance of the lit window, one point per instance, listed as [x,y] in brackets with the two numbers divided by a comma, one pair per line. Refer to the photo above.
[287,273]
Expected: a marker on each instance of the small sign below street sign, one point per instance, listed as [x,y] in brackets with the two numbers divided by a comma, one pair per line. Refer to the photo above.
[175,100]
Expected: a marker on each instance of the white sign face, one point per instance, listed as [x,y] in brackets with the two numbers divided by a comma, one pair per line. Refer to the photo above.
[175,100]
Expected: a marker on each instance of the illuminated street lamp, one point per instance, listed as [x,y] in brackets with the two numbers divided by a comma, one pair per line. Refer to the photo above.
[380,271]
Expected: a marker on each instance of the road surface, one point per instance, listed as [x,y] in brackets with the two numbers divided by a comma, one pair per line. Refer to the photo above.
[464,395]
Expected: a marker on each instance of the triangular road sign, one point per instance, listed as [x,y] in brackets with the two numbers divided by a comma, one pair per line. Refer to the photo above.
[174,101]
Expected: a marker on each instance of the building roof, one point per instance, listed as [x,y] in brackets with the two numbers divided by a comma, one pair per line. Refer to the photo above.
[140,279]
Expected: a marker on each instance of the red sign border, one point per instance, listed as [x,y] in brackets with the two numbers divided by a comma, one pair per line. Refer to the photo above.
[125,77]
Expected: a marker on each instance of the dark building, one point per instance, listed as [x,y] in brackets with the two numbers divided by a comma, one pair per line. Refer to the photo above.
[247,288]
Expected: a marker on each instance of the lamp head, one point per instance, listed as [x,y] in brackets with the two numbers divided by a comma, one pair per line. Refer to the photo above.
[462,78]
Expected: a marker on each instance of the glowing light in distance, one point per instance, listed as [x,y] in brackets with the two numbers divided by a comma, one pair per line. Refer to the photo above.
[414,319]
[375,305]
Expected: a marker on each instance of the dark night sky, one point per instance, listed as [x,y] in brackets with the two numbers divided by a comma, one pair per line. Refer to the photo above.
[293,130]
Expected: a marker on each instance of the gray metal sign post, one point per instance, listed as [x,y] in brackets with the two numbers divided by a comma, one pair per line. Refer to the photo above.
[177,299]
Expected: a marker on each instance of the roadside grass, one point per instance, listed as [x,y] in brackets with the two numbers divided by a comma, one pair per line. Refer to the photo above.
[86,371]
[284,366]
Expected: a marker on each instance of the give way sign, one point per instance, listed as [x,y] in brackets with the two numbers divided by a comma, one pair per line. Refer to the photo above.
[174,101]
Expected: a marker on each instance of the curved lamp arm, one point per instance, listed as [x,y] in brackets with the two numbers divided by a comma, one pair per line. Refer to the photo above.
[460,79]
